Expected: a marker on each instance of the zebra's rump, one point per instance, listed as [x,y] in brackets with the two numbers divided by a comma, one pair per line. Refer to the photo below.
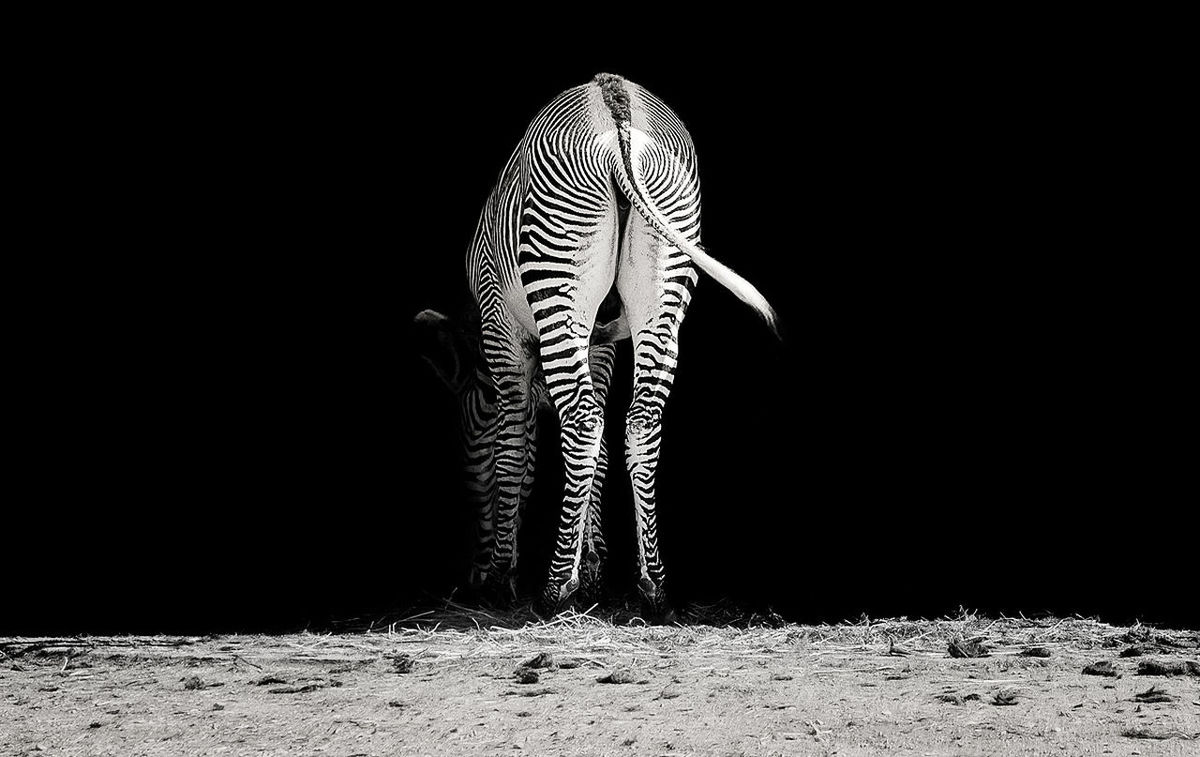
[568,152]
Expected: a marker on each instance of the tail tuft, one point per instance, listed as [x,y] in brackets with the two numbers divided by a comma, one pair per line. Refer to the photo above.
[616,98]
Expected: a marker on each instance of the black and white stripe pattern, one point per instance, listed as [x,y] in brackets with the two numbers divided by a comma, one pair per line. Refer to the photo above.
[549,247]
[479,422]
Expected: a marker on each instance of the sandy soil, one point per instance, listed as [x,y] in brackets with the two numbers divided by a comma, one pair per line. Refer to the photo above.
[847,690]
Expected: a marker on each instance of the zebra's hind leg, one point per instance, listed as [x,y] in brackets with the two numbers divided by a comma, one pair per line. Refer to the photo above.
[655,282]
[567,258]
[582,423]
[595,550]
[565,328]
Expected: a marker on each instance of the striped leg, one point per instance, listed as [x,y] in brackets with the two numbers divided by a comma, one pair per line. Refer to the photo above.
[595,551]
[582,423]
[527,482]
[655,281]
[479,423]
[567,267]
[512,372]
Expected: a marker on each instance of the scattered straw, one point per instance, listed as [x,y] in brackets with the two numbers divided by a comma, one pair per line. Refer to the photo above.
[452,631]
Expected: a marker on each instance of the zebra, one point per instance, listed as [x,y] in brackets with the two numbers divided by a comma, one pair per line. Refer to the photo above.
[601,196]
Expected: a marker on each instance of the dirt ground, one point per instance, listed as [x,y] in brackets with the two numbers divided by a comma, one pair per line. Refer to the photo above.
[601,689]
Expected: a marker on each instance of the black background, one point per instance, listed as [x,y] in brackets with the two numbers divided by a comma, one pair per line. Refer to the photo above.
[232,428]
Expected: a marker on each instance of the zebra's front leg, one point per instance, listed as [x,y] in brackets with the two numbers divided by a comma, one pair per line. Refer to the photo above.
[481,562]
[479,429]
[513,456]
[527,482]
[595,550]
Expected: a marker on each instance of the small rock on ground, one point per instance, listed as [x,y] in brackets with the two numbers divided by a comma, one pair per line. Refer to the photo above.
[1101,668]
[622,675]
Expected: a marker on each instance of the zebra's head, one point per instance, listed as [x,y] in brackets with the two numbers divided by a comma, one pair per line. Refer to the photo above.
[451,347]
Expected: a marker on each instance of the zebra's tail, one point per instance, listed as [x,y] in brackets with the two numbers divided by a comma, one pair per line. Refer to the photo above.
[630,181]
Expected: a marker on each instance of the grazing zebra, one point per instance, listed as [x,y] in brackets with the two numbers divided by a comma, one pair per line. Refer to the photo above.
[601,194]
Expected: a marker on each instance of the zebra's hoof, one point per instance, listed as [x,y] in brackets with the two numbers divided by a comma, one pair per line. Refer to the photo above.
[591,592]
[591,581]
[477,578]
[556,598]
[658,614]
[655,609]
[547,605]
[499,591]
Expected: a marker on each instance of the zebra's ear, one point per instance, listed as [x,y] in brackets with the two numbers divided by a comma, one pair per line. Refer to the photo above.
[441,347]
